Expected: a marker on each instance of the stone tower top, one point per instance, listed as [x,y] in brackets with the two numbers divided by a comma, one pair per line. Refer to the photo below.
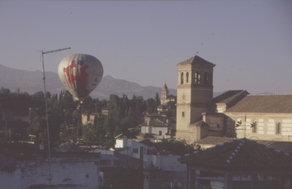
[197,61]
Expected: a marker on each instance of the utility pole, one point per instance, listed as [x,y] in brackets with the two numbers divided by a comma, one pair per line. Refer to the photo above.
[46,106]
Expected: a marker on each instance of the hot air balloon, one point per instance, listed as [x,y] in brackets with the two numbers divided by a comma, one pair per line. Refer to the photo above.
[80,74]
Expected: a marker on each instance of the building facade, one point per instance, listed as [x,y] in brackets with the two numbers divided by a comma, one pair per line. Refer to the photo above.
[262,117]
[194,94]
[235,113]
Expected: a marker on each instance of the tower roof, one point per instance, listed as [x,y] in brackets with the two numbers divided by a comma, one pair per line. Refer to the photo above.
[165,87]
[198,61]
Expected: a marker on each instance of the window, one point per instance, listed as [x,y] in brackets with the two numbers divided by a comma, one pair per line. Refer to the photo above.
[182,78]
[254,127]
[135,150]
[160,133]
[197,78]
[278,127]
[206,78]
[183,114]
[187,77]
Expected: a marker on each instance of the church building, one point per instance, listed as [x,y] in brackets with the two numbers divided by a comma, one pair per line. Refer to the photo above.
[235,113]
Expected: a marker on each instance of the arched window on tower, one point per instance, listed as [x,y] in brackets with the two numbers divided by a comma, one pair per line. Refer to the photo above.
[206,78]
[187,77]
[197,78]
[182,78]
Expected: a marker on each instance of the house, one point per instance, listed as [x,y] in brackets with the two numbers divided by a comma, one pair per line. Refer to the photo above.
[89,118]
[157,128]
[161,169]
[161,121]
[241,163]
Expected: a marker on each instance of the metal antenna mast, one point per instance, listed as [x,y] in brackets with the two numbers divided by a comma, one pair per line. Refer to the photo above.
[46,104]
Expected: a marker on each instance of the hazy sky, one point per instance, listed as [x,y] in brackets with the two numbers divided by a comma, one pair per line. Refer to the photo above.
[250,41]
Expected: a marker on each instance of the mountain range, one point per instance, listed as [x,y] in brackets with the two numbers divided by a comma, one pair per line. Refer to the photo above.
[32,82]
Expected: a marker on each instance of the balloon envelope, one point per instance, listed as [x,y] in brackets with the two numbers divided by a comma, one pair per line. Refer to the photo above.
[80,74]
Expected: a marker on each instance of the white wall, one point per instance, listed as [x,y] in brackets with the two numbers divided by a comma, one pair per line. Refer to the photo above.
[132,147]
[155,131]
[81,171]
[265,125]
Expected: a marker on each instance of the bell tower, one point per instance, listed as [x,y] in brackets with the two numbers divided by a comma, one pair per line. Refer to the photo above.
[194,94]
[164,95]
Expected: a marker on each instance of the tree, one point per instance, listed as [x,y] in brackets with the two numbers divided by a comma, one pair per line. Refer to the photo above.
[89,132]
[157,101]
[18,90]
[171,108]
[38,101]
[112,120]
[4,91]
[178,147]
[38,128]
[151,105]
[65,135]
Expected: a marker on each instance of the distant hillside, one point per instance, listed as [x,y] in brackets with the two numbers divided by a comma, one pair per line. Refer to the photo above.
[110,85]
[32,82]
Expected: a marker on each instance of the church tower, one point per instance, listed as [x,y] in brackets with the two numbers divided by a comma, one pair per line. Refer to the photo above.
[194,94]
[164,95]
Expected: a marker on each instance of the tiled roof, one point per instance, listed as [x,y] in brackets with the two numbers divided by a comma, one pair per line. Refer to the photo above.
[283,146]
[196,60]
[265,103]
[147,142]
[214,140]
[126,161]
[200,123]
[228,96]
[155,123]
[146,136]
[155,114]
[171,96]
[241,155]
